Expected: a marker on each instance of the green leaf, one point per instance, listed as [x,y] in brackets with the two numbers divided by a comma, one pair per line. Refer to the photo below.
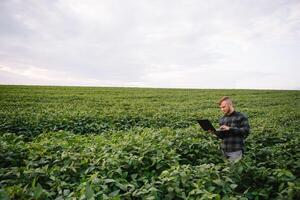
[116,198]
[133,176]
[89,193]
[233,186]
[114,193]
[109,180]
[4,195]
[37,191]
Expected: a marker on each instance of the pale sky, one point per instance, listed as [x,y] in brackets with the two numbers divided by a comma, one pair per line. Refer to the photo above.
[253,44]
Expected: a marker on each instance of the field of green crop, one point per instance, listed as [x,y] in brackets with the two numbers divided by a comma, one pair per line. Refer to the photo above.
[134,143]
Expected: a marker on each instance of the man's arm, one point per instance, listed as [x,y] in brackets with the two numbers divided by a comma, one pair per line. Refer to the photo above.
[221,134]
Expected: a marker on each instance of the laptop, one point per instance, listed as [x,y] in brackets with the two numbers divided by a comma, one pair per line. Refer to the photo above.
[206,125]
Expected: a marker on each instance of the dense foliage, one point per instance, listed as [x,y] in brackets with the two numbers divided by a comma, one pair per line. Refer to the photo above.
[133,143]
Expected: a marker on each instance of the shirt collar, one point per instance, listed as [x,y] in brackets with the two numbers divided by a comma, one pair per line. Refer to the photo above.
[231,113]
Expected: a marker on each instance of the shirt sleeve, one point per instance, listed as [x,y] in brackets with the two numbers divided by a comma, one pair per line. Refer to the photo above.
[243,128]
[219,135]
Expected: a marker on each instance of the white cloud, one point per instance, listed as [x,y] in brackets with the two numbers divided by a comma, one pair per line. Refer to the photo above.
[150,43]
[282,25]
[36,75]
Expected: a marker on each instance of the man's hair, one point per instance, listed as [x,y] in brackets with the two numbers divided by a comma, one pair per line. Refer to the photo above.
[225,98]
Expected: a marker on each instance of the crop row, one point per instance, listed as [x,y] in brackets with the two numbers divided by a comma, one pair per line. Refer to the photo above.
[145,164]
[134,143]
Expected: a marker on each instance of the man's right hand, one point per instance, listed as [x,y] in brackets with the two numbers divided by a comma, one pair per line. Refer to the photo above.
[224,128]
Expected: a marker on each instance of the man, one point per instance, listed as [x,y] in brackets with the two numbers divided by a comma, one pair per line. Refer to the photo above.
[234,128]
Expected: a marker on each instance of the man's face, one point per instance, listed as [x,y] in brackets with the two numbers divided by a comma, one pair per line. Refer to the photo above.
[225,107]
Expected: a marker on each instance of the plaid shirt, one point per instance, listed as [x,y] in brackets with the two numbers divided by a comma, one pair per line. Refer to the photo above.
[233,140]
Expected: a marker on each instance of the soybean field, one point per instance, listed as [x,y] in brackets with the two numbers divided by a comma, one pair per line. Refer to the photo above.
[144,143]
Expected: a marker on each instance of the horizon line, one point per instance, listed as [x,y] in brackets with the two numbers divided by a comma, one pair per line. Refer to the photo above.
[149,87]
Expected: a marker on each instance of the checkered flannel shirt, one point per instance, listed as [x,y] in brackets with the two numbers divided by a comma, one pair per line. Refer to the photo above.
[234,139]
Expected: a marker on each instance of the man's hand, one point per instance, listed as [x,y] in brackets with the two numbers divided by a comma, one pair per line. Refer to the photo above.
[224,128]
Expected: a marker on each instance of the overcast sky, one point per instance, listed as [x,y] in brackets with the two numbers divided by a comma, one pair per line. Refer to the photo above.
[151,43]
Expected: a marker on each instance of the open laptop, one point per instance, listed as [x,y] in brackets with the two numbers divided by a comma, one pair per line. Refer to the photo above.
[206,125]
